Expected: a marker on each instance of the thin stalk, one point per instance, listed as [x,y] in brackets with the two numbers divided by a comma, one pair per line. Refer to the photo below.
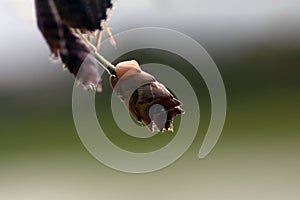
[102,61]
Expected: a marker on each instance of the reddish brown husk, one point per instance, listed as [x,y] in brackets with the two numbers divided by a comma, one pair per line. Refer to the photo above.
[141,93]
[57,20]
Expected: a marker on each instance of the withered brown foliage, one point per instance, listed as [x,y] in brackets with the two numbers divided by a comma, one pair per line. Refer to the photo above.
[57,20]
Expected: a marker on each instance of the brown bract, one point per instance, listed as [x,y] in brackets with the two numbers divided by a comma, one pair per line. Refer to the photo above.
[148,101]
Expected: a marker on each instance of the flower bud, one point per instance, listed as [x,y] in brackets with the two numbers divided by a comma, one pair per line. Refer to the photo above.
[148,101]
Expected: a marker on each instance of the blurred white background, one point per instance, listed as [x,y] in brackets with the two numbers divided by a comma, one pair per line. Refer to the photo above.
[220,26]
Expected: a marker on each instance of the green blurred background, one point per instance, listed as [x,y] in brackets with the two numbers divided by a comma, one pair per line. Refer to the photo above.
[256,47]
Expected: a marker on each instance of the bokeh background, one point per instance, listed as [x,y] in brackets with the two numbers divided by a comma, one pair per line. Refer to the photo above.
[256,46]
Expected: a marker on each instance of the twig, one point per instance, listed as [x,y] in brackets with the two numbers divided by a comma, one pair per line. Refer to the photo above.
[98,40]
[110,36]
[102,61]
